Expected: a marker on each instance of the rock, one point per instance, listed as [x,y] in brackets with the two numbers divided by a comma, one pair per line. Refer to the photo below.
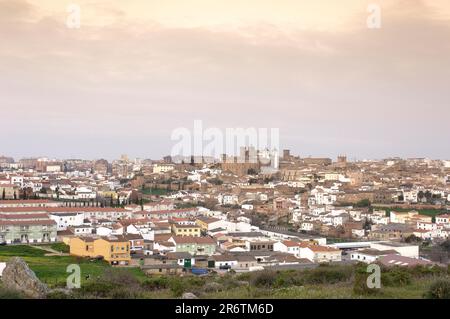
[189,295]
[18,276]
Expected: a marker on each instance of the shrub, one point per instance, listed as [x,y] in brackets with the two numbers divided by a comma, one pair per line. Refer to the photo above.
[124,293]
[58,294]
[264,278]
[289,278]
[195,281]
[97,289]
[396,277]
[156,283]
[121,277]
[212,287]
[176,287]
[360,286]
[324,275]
[424,271]
[244,276]
[10,294]
[440,289]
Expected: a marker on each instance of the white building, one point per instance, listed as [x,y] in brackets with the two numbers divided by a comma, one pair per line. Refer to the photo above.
[287,246]
[162,168]
[64,220]
[369,256]
[227,199]
[426,226]
[405,250]
[320,254]
[83,230]
[307,226]
[443,219]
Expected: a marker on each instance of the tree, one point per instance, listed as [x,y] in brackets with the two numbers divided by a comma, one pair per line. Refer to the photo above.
[363,203]
[367,224]
[413,239]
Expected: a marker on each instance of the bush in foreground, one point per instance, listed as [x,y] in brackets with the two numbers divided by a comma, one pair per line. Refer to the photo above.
[440,289]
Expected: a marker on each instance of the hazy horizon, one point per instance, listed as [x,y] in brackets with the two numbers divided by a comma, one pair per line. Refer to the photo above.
[134,71]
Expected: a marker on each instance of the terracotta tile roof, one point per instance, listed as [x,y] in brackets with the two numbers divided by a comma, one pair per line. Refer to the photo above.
[317,248]
[46,222]
[24,216]
[26,201]
[60,209]
[290,243]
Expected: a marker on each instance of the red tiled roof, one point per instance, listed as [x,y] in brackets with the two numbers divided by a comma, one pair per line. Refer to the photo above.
[290,243]
[23,216]
[27,222]
[26,201]
[317,248]
[170,211]
[60,209]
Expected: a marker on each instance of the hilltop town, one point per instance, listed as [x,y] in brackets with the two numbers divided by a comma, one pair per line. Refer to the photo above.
[240,214]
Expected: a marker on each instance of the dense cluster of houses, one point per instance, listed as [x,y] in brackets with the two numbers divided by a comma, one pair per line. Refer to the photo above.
[233,215]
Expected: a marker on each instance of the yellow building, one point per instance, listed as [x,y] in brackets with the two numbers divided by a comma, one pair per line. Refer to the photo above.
[208,223]
[115,250]
[186,230]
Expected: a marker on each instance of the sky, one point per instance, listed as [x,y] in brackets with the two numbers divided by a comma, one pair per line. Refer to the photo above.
[136,70]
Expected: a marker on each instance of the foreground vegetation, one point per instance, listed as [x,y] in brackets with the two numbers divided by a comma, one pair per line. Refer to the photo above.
[52,270]
[325,281]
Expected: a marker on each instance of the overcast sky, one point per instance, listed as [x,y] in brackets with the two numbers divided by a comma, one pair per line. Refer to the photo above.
[136,70]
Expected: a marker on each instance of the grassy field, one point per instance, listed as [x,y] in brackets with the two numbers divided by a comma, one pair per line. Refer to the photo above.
[61,247]
[323,282]
[52,269]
